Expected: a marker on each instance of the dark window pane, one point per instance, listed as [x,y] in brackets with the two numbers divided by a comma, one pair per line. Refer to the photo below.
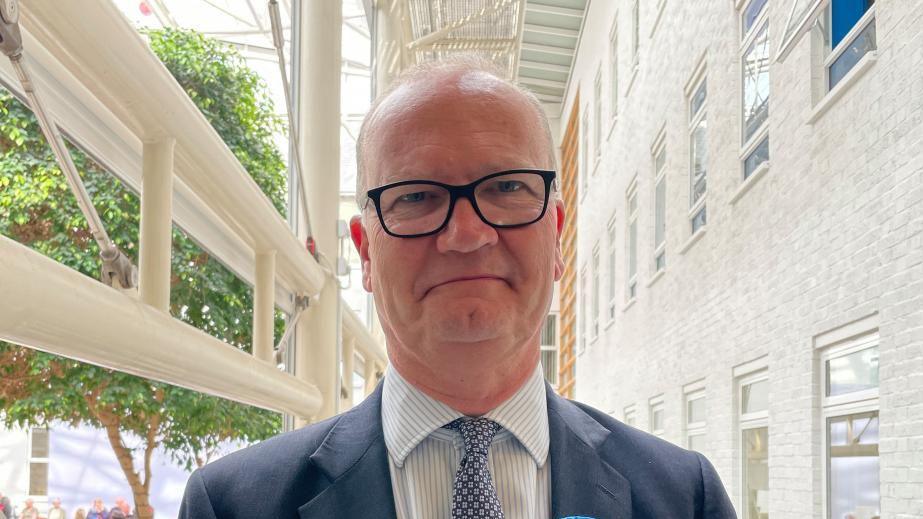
[751,14]
[38,479]
[756,157]
[756,472]
[863,43]
[40,443]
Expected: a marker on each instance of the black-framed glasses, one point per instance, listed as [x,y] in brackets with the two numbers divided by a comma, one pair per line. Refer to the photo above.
[414,208]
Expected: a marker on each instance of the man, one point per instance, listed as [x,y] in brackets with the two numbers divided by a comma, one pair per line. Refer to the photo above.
[29,512]
[6,507]
[459,239]
[98,510]
[56,512]
[118,511]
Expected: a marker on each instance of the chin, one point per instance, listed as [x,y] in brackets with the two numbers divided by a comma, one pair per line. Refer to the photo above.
[468,321]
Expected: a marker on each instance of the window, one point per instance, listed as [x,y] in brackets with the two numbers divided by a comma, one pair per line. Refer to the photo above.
[584,309]
[755,71]
[584,152]
[630,416]
[632,241]
[850,37]
[38,461]
[753,423]
[655,408]
[660,206]
[699,155]
[598,114]
[847,29]
[594,292]
[614,70]
[695,421]
[849,374]
[612,268]
[549,349]
[635,32]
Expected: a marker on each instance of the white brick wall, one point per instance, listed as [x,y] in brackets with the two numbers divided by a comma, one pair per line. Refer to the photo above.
[833,233]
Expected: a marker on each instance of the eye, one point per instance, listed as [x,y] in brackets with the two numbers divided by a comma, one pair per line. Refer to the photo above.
[419,196]
[508,186]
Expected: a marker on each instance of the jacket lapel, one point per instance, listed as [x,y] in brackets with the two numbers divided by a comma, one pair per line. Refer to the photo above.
[354,459]
[582,484]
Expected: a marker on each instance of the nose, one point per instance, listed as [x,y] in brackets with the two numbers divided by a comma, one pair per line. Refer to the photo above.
[465,232]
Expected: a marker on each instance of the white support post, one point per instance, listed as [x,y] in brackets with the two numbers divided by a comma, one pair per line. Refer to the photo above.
[372,369]
[318,332]
[156,223]
[349,367]
[389,57]
[264,296]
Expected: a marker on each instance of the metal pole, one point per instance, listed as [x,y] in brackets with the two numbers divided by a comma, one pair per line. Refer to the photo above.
[156,223]
[318,332]
[264,296]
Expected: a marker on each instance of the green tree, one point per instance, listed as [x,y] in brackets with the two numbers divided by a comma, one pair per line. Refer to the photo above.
[37,209]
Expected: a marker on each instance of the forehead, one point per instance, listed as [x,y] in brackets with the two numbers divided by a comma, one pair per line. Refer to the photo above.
[454,129]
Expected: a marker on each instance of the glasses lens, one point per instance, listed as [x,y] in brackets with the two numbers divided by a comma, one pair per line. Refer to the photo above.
[414,208]
[511,199]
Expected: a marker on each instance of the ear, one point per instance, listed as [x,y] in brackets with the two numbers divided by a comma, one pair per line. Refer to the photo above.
[361,241]
[559,230]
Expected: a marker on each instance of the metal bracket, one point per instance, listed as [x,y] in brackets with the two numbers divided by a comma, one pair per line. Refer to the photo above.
[117,269]
[302,303]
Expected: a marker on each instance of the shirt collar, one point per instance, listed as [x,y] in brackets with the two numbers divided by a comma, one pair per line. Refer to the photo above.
[409,416]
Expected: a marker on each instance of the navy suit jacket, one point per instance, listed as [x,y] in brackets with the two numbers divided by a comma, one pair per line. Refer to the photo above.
[338,468]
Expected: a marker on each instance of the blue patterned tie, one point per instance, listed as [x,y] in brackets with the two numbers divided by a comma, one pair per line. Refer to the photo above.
[474,495]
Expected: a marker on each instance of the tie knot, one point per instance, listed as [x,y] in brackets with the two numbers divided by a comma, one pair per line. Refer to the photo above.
[477,433]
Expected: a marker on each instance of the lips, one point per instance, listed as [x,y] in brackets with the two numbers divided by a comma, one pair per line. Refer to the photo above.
[465,278]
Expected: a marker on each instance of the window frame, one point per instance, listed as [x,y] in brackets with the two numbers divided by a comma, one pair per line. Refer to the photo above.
[39,460]
[691,429]
[655,404]
[857,402]
[632,278]
[660,176]
[594,291]
[746,422]
[585,152]
[630,415]
[614,71]
[636,33]
[584,326]
[613,265]
[598,115]
[695,119]
[832,54]
[761,23]
[555,347]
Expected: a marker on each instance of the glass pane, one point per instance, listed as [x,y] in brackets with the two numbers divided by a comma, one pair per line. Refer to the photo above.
[754,397]
[549,331]
[39,443]
[550,366]
[660,262]
[657,419]
[660,211]
[698,221]
[633,249]
[660,161]
[696,442]
[857,371]
[595,293]
[756,157]
[800,10]
[632,203]
[699,157]
[853,466]
[756,83]
[636,28]
[698,99]
[756,472]
[695,410]
[38,479]
[863,43]
[614,75]
[751,13]
[612,273]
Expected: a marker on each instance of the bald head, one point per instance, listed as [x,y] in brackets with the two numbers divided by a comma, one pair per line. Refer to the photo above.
[443,88]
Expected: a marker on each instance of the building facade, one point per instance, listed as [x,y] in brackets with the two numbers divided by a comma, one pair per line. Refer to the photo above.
[750,255]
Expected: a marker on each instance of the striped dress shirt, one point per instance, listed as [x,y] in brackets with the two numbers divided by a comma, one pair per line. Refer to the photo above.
[423,457]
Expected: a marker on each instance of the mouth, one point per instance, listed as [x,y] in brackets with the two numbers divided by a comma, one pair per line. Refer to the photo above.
[465,279]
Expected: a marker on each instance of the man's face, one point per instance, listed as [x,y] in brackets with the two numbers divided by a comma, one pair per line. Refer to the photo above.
[56,503]
[470,290]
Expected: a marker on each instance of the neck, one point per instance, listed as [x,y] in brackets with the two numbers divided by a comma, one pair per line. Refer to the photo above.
[472,390]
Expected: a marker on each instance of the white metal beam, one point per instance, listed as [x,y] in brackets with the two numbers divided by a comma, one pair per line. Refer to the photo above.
[458,24]
[547,67]
[53,308]
[551,31]
[560,51]
[156,234]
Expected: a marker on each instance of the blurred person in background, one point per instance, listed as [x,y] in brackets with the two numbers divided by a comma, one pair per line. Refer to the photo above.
[56,512]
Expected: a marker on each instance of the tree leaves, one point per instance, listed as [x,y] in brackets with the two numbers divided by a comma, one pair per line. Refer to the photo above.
[38,209]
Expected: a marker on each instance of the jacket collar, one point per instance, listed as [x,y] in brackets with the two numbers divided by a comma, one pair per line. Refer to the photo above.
[353,457]
[582,483]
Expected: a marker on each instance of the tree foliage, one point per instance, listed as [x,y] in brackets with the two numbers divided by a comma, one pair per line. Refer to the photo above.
[38,209]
